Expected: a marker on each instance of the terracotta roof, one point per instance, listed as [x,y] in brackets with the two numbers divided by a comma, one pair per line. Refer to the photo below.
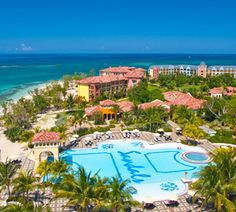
[120,69]
[135,74]
[45,136]
[107,102]
[186,99]
[125,106]
[89,111]
[218,90]
[155,103]
[101,79]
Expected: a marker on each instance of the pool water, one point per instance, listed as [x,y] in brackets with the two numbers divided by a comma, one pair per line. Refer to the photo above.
[153,169]
[196,156]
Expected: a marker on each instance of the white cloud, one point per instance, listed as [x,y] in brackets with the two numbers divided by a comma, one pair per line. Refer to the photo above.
[24,48]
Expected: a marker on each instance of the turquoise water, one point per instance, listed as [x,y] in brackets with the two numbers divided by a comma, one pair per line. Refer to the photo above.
[196,156]
[162,168]
[18,73]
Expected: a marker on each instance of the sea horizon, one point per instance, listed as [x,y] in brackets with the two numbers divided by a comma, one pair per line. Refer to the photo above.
[21,73]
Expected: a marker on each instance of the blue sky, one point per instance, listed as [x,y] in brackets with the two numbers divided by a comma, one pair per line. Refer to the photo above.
[118,26]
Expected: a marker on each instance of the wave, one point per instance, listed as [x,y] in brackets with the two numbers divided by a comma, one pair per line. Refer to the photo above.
[11,66]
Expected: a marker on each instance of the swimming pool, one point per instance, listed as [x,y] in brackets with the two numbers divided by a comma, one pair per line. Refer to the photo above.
[154,170]
[196,157]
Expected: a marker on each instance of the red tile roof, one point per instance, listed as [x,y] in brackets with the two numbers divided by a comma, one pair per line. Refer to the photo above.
[125,106]
[218,90]
[101,79]
[107,102]
[45,136]
[89,111]
[186,99]
[120,69]
[135,74]
[155,103]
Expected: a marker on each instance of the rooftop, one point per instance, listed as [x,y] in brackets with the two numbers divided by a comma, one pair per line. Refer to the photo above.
[101,79]
[125,106]
[186,99]
[155,103]
[107,102]
[45,136]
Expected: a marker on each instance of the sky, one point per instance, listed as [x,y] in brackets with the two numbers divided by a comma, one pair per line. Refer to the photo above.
[118,26]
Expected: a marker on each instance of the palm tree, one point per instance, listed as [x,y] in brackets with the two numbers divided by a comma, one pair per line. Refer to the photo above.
[120,197]
[58,169]
[81,190]
[44,169]
[79,118]
[70,102]
[218,180]
[7,171]
[24,183]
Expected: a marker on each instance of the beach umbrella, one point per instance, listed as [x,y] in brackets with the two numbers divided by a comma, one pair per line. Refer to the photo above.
[108,132]
[224,147]
[75,136]
[173,197]
[136,131]
[160,130]
[156,134]
[168,133]
[88,139]
[126,131]
[178,129]
[96,133]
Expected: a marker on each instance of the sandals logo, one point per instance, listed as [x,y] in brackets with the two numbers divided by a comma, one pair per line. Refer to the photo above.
[134,170]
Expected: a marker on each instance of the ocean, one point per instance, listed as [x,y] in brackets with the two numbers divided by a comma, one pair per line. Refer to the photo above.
[21,73]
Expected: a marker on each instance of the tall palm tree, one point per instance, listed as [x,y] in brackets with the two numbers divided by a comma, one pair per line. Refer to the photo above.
[58,169]
[7,171]
[79,117]
[120,197]
[218,180]
[80,190]
[44,169]
[24,183]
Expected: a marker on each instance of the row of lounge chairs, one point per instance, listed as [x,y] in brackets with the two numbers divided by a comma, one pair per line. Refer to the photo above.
[128,134]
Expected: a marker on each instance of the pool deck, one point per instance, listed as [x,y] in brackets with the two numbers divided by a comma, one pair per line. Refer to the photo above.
[58,204]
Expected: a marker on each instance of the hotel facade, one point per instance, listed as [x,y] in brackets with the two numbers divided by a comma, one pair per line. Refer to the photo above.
[202,70]
[111,81]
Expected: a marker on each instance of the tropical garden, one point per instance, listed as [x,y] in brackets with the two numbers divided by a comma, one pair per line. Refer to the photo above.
[86,191]
[82,190]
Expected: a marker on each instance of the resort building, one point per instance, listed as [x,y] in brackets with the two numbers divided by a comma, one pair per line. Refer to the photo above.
[185,99]
[45,144]
[218,92]
[111,81]
[155,103]
[202,70]
[189,70]
[92,87]
[109,109]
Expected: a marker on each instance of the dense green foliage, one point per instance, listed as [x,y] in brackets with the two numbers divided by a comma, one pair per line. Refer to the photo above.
[141,93]
[148,120]
[217,181]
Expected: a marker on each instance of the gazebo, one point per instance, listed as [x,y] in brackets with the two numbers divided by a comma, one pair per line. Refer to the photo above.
[45,144]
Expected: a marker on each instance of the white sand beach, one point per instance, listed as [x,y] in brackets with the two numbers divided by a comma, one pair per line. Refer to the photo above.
[9,149]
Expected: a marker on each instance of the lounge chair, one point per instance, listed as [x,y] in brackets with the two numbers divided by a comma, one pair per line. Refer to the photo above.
[149,206]
[171,203]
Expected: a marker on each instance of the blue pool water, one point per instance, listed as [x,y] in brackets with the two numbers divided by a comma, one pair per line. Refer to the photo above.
[195,156]
[158,168]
